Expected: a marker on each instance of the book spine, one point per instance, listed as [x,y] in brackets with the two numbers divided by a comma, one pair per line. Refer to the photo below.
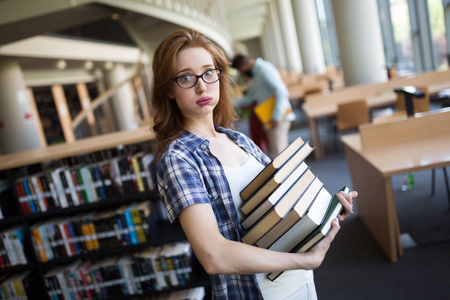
[60,189]
[26,209]
[29,196]
[65,236]
[131,227]
[51,201]
[89,189]
[139,228]
[46,243]
[97,183]
[75,230]
[70,238]
[39,245]
[42,202]
[9,247]
[115,175]
[53,190]
[87,236]
[126,176]
[76,185]
[71,186]
[66,189]
[18,237]
[123,229]
[137,172]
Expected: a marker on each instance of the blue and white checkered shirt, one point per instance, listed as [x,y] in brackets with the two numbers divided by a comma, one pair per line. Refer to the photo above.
[188,173]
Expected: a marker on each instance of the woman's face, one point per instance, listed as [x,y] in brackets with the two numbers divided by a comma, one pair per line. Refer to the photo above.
[199,100]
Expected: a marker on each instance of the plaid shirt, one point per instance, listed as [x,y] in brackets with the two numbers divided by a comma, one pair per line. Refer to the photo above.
[188,174]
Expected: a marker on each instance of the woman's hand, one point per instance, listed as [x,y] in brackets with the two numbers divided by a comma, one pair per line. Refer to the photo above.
[346,200]
[317,253]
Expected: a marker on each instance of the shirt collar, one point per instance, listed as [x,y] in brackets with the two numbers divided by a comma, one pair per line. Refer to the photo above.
[187,137]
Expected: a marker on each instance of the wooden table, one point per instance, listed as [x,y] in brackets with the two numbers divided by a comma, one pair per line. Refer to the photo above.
[377,95]
[382,150]
[314,111]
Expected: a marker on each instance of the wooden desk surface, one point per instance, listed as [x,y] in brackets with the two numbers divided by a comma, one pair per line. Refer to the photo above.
[403,158]
[315,110]
[86,145]
[380,151]
[405,144]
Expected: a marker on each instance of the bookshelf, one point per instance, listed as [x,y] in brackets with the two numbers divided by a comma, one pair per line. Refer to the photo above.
[160,231]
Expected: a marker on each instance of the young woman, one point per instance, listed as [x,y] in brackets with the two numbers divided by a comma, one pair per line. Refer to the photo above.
[202,165]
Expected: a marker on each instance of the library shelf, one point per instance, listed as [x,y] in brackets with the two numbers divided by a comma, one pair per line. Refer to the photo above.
[161,232]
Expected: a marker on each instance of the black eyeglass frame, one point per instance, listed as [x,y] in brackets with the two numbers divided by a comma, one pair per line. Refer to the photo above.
[197,77]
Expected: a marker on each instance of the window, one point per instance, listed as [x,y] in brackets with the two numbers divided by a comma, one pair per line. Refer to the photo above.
[402,35]
[328,32]
[437,23]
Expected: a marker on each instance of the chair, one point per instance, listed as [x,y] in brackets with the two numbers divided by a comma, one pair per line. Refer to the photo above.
[350,115]
[433,174]
[420,104]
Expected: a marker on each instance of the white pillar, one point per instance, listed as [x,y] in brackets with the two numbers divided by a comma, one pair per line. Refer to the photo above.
[122,101]
[360,42]
[19,126]
[308,31]
[290,38]
[274,38]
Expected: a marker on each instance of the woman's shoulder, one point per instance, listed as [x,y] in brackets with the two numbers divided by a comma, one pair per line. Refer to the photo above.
[182,147]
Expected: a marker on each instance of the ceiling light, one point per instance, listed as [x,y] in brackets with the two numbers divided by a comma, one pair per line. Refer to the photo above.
[88,65]
[108,65]
[61,64]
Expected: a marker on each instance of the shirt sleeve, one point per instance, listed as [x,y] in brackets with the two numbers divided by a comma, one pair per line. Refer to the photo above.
[180,185]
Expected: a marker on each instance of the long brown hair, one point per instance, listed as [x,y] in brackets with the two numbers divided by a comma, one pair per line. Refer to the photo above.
[168,119]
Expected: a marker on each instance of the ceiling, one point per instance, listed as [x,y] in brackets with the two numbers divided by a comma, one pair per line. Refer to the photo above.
[246,19]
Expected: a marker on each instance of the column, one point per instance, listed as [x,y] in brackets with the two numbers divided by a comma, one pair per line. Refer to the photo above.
[274,38]
[122,101]
[308,31]
[360,41]
[289,35]
[19,125]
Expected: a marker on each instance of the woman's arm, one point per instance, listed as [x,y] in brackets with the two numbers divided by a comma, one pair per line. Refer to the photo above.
[221,256]
[185,197]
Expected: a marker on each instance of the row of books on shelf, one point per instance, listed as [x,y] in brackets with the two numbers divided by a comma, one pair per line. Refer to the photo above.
[11,247]
[14,286]
[85,232]
[286,207]
[197,293]
[68,186]
[152,269]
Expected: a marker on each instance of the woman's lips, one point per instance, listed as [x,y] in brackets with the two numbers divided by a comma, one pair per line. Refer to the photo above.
[203,101]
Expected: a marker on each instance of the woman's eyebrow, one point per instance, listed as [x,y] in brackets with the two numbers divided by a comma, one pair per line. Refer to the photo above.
[190,70]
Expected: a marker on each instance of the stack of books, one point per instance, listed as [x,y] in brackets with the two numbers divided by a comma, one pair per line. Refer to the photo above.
[287,207]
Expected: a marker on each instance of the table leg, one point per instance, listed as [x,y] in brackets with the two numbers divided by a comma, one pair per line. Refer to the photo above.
[314,130]
[375,203]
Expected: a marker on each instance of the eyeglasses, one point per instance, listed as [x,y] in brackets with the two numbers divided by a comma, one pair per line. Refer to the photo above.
[187,81]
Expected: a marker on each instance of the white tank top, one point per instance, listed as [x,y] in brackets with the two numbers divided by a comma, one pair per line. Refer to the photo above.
[288,282]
